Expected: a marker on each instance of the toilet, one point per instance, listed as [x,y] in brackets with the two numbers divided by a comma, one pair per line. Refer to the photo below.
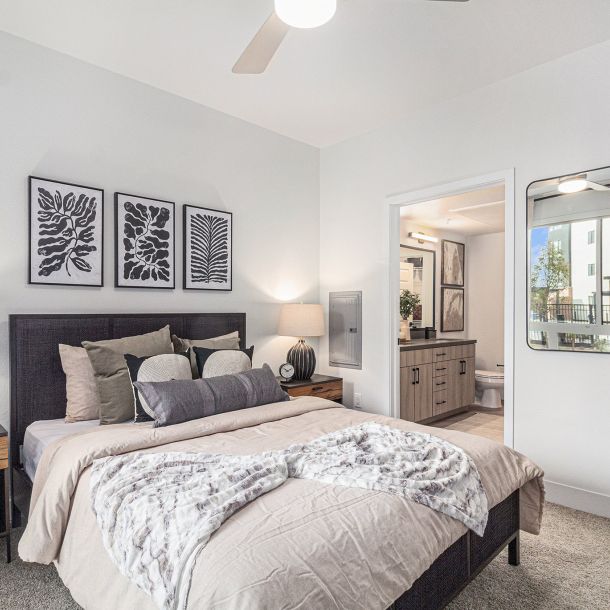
[489,386]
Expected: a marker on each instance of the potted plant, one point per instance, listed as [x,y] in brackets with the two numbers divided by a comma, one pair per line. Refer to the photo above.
[408,302]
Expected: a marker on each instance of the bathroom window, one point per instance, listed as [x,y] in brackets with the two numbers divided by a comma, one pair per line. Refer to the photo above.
[591,269]
[591,237]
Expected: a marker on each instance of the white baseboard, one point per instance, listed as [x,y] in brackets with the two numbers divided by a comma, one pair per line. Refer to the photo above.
[580,499]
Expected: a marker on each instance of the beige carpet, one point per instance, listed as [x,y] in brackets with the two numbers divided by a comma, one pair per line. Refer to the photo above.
[566,567]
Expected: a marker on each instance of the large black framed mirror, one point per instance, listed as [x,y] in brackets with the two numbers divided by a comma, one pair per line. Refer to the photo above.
[418,275]
[568,279]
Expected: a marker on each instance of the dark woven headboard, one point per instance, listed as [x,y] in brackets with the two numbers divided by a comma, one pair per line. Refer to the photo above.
[38,384]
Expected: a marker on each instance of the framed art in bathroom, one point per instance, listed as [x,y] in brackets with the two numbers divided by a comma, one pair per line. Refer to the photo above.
[452,263]
[452,309]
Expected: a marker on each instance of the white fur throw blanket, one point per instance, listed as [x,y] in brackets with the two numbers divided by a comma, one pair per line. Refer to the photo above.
[157,511]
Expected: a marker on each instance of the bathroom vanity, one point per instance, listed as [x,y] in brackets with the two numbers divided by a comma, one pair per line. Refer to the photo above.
[437,378]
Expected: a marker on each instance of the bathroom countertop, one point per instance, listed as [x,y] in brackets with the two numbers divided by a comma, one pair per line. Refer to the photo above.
[431,343]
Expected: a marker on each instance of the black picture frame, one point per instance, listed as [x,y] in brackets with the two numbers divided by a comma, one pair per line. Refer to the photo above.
[186,282]
[32,281]
[118,236]
[461,248]
[444,292]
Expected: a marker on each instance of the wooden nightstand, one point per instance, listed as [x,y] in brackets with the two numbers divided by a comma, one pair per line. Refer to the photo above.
[323,386]
[5,506]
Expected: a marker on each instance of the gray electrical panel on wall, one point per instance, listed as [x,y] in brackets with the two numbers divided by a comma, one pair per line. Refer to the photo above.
[345,329]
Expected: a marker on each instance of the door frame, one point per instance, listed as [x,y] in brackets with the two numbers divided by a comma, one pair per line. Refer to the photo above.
[393,204]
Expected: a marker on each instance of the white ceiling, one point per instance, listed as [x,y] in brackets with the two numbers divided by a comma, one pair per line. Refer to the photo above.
[376,61]
[481,211]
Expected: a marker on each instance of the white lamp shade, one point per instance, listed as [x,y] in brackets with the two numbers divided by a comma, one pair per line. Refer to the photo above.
[301,320]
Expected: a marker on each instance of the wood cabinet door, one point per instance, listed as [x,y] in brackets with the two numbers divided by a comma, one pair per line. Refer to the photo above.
[460,383]
[423,392]
[407,393]
[467,382]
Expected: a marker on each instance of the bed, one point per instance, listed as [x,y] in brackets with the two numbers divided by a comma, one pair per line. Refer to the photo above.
[304,543]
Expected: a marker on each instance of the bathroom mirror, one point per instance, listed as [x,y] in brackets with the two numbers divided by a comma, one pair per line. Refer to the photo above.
[417,274]
[569,262]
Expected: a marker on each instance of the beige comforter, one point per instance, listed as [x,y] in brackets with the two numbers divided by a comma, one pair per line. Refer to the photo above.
[302,545]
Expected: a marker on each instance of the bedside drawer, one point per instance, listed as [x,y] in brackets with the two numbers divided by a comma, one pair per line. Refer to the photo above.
[332,390]
[3,452]
[439,383]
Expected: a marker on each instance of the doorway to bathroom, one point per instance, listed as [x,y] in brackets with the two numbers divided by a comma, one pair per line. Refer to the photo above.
[451,313]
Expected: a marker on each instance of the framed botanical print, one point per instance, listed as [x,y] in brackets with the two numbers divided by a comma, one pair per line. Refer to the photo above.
[144,242]
[208,249]
[452,309]
[66,233]
[452,263]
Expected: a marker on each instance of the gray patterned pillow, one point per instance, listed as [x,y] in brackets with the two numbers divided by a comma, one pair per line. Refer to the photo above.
[174,402]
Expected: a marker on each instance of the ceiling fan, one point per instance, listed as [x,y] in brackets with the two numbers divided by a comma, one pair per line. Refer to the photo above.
[288,14]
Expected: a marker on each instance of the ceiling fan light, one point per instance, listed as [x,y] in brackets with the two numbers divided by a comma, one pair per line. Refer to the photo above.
[305,13]
[572,184]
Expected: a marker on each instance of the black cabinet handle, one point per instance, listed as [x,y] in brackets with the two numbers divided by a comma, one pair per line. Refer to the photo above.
[317,388]
[442,383]
[413,377]
[463,367]
[442,354]
[444,368]
[417,369]
[442,402]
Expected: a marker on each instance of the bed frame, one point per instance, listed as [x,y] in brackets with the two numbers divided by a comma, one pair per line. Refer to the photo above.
[38,384]
[38,392]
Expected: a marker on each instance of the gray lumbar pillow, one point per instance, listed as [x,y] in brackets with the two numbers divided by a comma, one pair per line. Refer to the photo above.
[111,373]
[174,402]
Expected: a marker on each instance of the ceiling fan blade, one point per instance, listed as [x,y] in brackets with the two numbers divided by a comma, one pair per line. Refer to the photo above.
[262,48]
[597,187]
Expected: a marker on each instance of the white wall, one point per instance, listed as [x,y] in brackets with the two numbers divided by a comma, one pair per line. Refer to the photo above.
[548,121]
[61,118]
[485,290]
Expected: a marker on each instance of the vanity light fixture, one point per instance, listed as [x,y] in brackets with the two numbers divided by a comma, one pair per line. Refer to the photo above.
[422,237]
[573,184]
[305,13]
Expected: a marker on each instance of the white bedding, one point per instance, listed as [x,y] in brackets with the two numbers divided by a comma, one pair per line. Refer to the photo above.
[40,434]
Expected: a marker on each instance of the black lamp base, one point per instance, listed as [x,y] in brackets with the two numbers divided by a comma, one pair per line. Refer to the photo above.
[303,359]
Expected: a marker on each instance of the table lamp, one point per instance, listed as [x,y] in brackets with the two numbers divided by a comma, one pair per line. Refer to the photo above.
[301,320]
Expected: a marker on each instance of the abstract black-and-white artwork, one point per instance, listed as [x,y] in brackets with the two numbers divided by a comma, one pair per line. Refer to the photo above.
[207,249]
[452,263]
[66,233]
[452,309]
[144,242]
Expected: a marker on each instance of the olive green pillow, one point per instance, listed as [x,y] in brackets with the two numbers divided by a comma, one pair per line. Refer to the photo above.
[112,375]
